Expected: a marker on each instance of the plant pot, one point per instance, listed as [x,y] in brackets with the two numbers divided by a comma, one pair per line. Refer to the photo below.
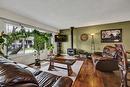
[37,62]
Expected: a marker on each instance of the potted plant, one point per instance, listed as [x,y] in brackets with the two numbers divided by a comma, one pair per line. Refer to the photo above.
[81,53]
[41,40]
[37,60]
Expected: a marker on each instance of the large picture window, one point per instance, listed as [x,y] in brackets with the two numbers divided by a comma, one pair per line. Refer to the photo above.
[20,46]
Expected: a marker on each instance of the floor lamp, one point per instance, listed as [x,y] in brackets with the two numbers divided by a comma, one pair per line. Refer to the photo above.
[92,43]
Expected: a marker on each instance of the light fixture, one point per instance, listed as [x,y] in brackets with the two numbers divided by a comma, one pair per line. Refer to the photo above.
[92,43]
[92,34]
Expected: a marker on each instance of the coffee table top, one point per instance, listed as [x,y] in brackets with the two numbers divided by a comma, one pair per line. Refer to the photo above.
[66,57]
[62,60]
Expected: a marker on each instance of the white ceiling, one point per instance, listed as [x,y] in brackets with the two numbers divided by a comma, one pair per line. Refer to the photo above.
[66,13]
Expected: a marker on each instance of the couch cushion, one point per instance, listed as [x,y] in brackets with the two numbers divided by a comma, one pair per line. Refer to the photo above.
[22,65]
[46,79]
[35,72]
[11,74]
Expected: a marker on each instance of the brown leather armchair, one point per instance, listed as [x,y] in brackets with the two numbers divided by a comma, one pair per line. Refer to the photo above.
[106,61]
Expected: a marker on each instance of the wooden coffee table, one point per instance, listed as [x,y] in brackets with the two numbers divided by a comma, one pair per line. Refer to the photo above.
[68,62]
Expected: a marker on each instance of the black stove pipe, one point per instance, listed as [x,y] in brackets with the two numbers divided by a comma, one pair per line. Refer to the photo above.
[72,29]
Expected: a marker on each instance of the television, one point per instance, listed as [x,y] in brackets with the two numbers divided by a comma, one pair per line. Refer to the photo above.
[111,36]
[60,38]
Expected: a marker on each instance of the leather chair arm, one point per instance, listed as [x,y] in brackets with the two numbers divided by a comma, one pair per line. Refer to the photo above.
[63,82]
[98,53]
[100,58]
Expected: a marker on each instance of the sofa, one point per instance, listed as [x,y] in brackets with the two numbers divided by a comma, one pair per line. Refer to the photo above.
[13,74]
[107,60]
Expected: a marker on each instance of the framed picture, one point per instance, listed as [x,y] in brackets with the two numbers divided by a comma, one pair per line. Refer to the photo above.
[111,36]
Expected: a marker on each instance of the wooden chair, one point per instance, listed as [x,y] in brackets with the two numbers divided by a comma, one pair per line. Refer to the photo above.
[123,65]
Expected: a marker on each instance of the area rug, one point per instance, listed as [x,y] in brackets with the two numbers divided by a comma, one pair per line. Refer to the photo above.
[62,72]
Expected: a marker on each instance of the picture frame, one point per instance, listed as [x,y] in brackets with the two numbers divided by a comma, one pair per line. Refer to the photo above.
[111,36]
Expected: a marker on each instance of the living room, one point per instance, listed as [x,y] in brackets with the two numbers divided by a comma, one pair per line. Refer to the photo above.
[87,29]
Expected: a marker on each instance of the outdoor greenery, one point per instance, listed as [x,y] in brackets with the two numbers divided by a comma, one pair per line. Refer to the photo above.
[41,40]
[13,36]
[1,40]
[1,43]
[50,47]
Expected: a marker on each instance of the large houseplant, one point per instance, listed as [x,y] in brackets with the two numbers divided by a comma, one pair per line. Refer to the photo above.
[41,41]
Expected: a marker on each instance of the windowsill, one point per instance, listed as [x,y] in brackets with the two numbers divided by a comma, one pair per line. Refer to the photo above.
[20,55]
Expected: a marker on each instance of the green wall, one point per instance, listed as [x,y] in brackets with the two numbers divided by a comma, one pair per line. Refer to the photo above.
[86,45]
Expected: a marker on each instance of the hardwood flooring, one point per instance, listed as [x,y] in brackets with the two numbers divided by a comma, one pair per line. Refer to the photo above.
[88,77]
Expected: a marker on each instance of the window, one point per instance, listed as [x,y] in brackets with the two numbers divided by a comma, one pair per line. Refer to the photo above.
[21,46]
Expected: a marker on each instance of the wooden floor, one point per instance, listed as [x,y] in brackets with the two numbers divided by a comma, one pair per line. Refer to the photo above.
[88,77]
